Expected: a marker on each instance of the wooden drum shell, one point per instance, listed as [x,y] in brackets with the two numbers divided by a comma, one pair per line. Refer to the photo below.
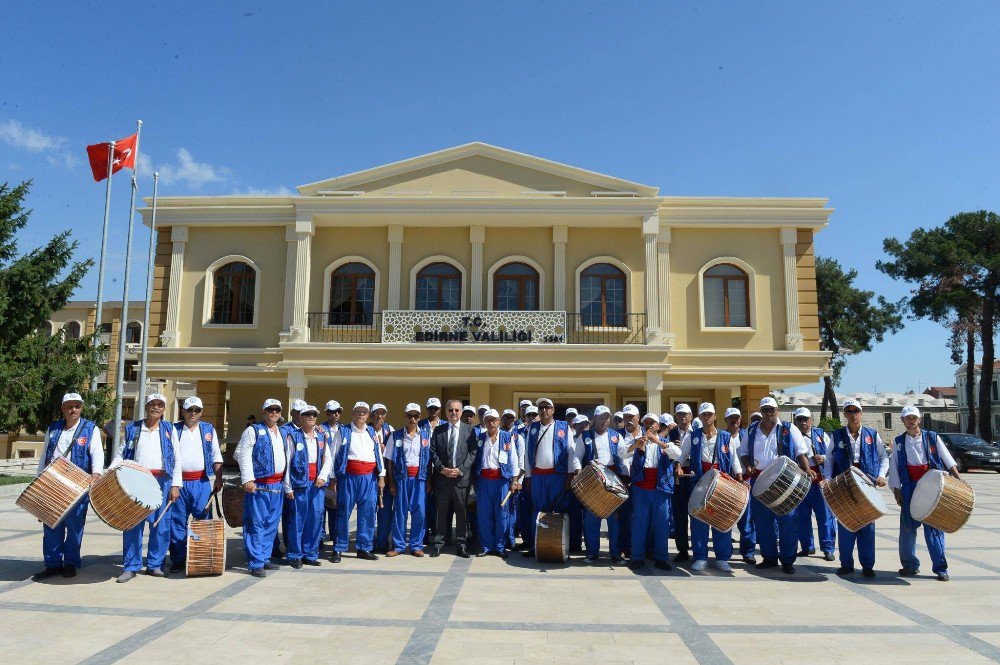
[58,490]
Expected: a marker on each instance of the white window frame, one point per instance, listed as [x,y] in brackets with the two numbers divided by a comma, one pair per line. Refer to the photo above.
[439,258]
[141,330]
[751,305]
[328,274]
[62,328]
[628,291]
[210,294]
[542,301]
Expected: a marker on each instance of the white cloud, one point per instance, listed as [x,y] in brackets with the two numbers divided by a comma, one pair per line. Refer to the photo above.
[189,172]
[16,134]
[281,190]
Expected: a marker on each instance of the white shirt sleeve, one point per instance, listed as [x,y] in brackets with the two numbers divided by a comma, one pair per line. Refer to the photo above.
[286,479]
[244,454]
[327,467]
[574,456]
[799,445]
[673,451]
[894,468]
[96,451]
[883,466]
[685,447]
[390,445]
[216,448]
[945,455]
[744,447]
[175,443]
[737,466]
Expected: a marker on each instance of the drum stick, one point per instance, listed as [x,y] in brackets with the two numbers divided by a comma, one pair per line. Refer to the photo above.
[169,503]
[509,492]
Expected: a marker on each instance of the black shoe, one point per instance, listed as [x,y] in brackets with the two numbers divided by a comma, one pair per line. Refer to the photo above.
[662,565]
[591,559]
[520,546]
[434,553]
[503,555]
[176,566]
[767,563]
[310,562]
[805,552]
[482,554]
[617,558]
[681,556]
[638,564]
[69,571]
[844,570]
[909,572]
[528,554]
[296,564]
[828,556]
[462,552]
[749,560]
[258,572]
[943,577]
[788,569]
[271,566]
[47,573]
[335,557]
[868,572]
[367,556]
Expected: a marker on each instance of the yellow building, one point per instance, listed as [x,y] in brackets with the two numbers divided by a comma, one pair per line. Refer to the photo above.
[488,275]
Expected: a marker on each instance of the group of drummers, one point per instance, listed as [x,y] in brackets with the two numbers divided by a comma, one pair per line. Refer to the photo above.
[485,477]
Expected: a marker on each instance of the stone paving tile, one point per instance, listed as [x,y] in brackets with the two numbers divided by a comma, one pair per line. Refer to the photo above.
[847,648]
[41,637]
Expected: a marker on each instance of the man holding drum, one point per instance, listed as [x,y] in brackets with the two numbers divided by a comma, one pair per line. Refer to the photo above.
[682,491]
[550,458]
[262,458]
[78,440]
[201,459]
[862,447]
[600,444]
[814,503]
[153,444]
[914,454]
[748,537]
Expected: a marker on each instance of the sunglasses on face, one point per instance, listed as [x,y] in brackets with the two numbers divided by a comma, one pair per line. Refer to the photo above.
[335,411]
[853,412]
[273,409]
[768,410]
[194,409]
[454,410]
[546,407]
[801,419]
[73,406]
[412,416]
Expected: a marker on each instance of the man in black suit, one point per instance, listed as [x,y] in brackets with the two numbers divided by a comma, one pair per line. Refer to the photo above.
[453,450]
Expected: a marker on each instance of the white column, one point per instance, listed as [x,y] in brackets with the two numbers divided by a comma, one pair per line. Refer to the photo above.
[663,276]
[654,391]
[178,239]
[297,384]
[299,239]
[793,337]
[650,234]
[560,235]
[477,236]
[395,265]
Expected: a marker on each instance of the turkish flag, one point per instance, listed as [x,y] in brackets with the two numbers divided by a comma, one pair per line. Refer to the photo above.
[124,157]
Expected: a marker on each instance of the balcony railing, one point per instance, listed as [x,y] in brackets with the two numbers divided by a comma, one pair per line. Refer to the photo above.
[339,328]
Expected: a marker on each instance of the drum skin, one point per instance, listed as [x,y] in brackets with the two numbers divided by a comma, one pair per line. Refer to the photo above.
[854,499]
[125,496]
[942,501]
[552,537]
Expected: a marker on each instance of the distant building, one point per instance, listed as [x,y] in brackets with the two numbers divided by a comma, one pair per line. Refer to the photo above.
[942,392]
[963,407]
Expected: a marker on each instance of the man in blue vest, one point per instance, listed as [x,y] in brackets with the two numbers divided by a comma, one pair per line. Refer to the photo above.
[508,423]
[748,538]
[814,503]
[334,411]
[151,443]
[79,441]
[496,471]
[262,458]
[383,518]
[293,424]
[710,448]
[600,444]
[862,447]
[765,441]
[407,464]
[522,499]
[307,449]
[682,490]
[360,480]
[201,464]
[430,423]
[914,453]
[549,459]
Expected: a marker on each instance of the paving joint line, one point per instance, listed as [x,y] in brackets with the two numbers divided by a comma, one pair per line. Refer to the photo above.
[423,642]
[697,640]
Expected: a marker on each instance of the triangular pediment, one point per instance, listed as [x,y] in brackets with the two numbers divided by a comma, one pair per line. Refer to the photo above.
[476,169]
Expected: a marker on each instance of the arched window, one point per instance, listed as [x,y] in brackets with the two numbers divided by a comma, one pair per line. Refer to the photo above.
[602,295]
[133,333]
[234,286]
[47,329]
[727,297]
[72,330]
[439,287]
[515,288]
[352,295]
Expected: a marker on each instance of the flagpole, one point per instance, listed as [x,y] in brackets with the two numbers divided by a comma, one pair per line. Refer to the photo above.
[149,294]
[100,268]
[123,322]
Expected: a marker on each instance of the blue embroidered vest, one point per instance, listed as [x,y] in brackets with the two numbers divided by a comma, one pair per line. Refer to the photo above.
[396,440]
[843,457]
[723,455]
[166,444]
[79,446]
[560,436]
[298,463]
[205,430]
[506,441]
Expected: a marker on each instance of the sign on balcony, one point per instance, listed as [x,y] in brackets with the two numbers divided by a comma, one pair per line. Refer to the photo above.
[404,326]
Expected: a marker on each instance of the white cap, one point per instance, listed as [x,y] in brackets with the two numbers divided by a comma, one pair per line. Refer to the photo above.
[72,397]
[298,405]
[333,405]
[308,408]
[411,407]
[769,401]
[153,397]
[269,402]
[538,402]
[509,412]
[580,419]
[433,401]
[800,412]
[649,416]
[851,402]
[666,419]
[696,424]
[363,405]
[572,410]
[483,407]
[757,413]
[630,410]
[376,406]
[600,410]
[491,413]
[619,414]
[469,408]
[706,407]
[192,401]
[732,411]
[909,410]
[682,408]
[530,410]
[524,402]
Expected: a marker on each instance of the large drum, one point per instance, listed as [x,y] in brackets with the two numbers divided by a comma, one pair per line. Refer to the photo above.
[854,499]
[599,490]
[552,537]
[233,496]
[206,547]
[718,500]
[125,496]
[59,489]
[941,501]
[782,486]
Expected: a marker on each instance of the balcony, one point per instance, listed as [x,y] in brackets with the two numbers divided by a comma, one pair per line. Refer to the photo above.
[514,328]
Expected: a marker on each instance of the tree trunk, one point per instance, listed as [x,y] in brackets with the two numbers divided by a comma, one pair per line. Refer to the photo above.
[970,376]
[829,396]
[989,356]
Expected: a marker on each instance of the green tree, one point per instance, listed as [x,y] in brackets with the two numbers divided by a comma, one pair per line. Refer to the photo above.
[850,321]
[955,269]
[36,368]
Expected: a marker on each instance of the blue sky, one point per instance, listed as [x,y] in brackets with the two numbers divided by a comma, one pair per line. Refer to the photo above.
[888,109]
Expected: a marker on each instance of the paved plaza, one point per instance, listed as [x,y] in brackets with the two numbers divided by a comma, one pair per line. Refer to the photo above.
[449,609]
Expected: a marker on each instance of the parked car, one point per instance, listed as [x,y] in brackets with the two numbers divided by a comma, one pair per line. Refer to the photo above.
[971,452]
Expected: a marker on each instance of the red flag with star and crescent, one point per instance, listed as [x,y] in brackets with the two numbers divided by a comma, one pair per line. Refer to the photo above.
[124,157]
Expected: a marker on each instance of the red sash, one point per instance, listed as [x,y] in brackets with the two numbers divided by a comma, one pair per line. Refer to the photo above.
[312,471]
[158,473]
[359,468]
[917,471]
[194,475]
[705,466]
[270,480]
[542,472]
[648,481]
[491,474]
[412,471]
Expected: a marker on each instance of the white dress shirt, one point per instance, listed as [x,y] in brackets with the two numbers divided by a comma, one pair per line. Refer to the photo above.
[602,448]
[915,457]
[765,447]
[148,453]
[66,440]
[708,450]
[361,446]
[855,442]
[192,454]
[624,454]
[492,455]
[544,449]
[322,473]
[244,452]
[410,443]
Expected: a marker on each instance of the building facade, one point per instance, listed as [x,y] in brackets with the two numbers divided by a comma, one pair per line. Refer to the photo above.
[487,275]
[963,405]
